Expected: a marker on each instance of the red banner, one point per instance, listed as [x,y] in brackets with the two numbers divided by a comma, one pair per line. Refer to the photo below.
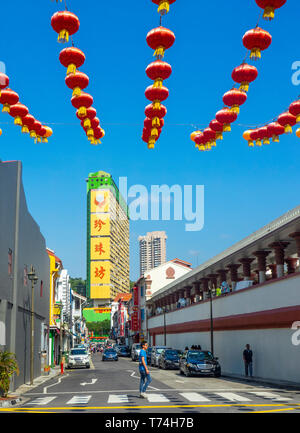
[135,322]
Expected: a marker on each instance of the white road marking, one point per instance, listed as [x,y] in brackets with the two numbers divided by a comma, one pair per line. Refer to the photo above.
[79,399]
[231,396]
[89,383]
[194,396]
[113,398]
[157,398]
[42,401]
[270,395]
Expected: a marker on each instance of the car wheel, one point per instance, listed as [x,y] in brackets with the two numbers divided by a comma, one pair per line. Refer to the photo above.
[181,372]
[87,366]
[164,366]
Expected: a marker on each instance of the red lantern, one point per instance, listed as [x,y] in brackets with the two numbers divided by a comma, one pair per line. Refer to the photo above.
[226,117]
[18,111]
[77,82]
[36,130]
[98,134]
[218,128]
[43,133]
[234,99]
[156,114]
[243,75]
[66,24]
[287,120]
[209,136]
[82,102]
[160,39]
[275,129]
[90,114]
[269,7]
[95,122]
[163,5]
[71,58]
[156,95]
[264,135]
[4,81]
[295,110]
[159,71]
[8,97]
[27,122]
[200,141]
[257,40]
[254,136]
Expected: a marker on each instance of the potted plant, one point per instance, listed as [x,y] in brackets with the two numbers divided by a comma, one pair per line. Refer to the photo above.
[8,366]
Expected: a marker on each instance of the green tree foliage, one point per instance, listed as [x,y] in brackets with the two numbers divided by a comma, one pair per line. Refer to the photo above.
[99,328]
[78,285]
[8,366]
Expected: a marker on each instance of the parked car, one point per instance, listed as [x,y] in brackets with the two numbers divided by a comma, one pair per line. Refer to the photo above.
[135,351]
[109,355]
[78,357]
[196,362]
[149,351]
[169,358]
[123,351]
[156,351]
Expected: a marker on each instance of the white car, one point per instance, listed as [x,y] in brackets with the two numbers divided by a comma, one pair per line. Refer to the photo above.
[78,357]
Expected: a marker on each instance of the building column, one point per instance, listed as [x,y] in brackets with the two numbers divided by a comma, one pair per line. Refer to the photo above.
[292,264]
[197,291]
[204,283]
[273,268]
[246,263]
[233,269]
[222,273]
[188,290]
[262,264]
[296,237]
[279,248]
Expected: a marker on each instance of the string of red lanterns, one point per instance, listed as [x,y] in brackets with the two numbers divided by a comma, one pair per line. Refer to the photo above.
[283,124]
[67,24]
[12,105]
[255,41]
[158,39]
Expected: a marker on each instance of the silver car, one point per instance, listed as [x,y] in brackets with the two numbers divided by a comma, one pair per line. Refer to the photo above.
[135,351]
[155,354]
[78,357]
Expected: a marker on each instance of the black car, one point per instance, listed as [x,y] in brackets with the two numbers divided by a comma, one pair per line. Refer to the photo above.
[198,362]
[109,355]
[169,358]
[123,351]
[149,351]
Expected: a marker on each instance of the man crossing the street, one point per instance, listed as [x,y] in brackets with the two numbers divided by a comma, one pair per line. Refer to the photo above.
[144,371]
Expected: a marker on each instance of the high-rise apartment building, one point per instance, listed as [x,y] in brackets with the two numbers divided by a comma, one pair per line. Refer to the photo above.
[107,240]
[153,250]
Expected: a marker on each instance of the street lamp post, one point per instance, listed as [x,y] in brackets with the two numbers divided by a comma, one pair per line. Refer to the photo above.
[165,327]
[33,278]
[211,322]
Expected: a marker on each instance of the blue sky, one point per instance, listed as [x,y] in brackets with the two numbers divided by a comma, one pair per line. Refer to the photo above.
[244,188]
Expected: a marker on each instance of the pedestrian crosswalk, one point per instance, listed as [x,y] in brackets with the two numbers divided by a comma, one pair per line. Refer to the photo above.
[163,398]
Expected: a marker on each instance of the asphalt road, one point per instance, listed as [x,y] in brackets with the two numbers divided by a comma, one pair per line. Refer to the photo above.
[113,387]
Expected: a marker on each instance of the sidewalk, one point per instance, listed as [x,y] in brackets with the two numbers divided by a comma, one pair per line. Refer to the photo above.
[258,380]
[15,397]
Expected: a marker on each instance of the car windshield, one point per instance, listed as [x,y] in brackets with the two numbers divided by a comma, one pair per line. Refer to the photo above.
[110,351]
[171,353]
[200,356]
[78,352]
[138,346]
[159,350]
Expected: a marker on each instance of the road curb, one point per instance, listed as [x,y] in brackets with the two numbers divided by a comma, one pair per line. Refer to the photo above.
[257,380]
[9,402]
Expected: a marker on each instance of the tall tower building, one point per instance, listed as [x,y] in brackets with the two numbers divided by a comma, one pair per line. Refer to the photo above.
[107,240]
[153,250]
